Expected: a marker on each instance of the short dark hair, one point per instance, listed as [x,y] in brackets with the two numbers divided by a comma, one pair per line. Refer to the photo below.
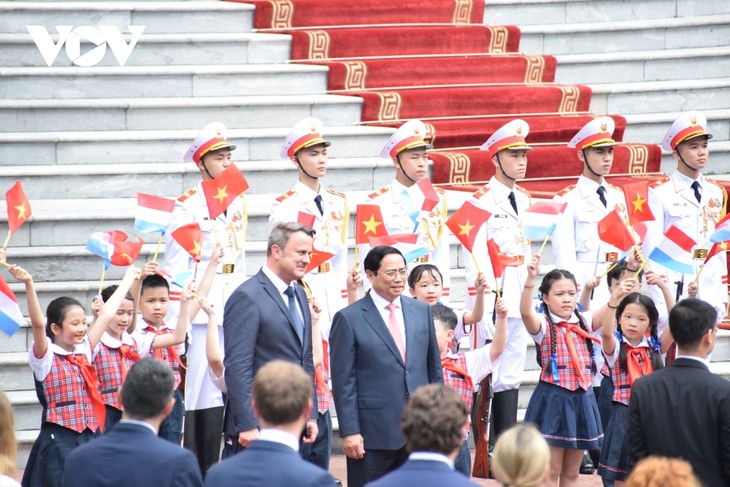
[153,281]
[147,389]
[109,290]
[281,391]
[445,315]
[689,320]
[281,233]
[434,419]
[56,312]
[617,272]
[415,275]
[377,254]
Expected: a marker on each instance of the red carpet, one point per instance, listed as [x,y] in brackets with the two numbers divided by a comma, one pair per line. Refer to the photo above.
[285,14]
[558,162]
[430,60]
[443,70]
[482,100]
[356,42]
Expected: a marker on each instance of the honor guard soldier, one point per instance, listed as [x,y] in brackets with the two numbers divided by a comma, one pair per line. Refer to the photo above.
[401,201]
[694,204]
[575,242]
[211,153]
[506,202]
[328,212]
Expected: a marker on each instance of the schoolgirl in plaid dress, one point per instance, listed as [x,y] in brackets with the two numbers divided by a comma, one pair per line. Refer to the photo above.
[66,382]
[629,354]
[463,370]
[563,405]
[118,351]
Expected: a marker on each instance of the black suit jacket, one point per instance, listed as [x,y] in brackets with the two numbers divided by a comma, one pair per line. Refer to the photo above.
[370,382]
[423,473]
[683,411]
[131,455]
[267,463]
[258,328]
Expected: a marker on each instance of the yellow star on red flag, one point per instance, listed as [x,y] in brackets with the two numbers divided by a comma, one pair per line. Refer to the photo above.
[465,229]
[371,226]
[638,203]
[222,195]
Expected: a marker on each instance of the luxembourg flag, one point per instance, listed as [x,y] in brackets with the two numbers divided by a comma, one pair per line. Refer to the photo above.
[407,243]
[10,316]
[153,213]
[722,230]
[675,251]
[540,219]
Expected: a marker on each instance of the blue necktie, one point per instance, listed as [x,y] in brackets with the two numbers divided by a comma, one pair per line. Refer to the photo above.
[294,311]
[602,195]
[696,187]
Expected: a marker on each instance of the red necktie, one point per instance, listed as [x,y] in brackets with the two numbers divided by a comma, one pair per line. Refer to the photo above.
[395,331]
[449,363]
[92,386]
[157,352]
[635,366]
[571,328]
[127,353]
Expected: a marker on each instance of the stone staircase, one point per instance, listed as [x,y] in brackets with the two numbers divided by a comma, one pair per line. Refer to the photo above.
[84,139]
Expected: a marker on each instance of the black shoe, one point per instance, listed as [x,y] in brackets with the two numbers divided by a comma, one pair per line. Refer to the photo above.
[586,465]
[338,482]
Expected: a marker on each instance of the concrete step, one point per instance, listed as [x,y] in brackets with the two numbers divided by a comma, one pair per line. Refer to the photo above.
[626,35]
[667,64]
[165,49]
[27,410]
[163,81]
[157,17]
[530,12]
[169,146]
[112,114]
[648,127]
[15,373]
[651,96]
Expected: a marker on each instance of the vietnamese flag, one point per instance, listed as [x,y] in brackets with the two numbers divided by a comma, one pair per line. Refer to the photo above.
[500,260]
[306,218]
[637,202]
[431,198]
[466,222]
[317,258]
[18,206]
[368,223]
[716,249]
[125,253]
[190,237]
[613,230]
[221,191]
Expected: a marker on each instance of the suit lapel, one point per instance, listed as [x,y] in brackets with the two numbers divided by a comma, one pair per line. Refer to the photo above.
[276,296]
[375,320]
[410,326]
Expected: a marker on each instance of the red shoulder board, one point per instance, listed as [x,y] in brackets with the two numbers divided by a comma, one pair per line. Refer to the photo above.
[522,190]
[481,191]
[187,194]
[659,182]
[379,192]
[565,190]
[336,193]
[285,196]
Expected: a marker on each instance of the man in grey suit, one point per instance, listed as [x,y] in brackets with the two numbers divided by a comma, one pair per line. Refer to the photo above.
[683,411]
[267,318]
[383,347]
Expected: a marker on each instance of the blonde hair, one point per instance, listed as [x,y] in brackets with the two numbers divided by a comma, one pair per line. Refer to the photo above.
[521,457]
[8,445]
[662,472]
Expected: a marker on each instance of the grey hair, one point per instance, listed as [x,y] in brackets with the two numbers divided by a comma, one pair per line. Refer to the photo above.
[281,233]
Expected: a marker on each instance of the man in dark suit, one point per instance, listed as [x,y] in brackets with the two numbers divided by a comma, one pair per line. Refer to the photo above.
[282,402]
[131,454]
[265,319]
[382,347]
[684,410]
[433,422]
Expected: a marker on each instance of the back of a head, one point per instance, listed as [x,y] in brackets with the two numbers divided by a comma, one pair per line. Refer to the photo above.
[662,472]
[521,457]
[444,315]
[689,320]
[434,420]
[281,392]
[148,389]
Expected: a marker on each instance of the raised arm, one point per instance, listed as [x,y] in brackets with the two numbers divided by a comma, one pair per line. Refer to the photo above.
[585,295]
[499,340]
[207,281]
[181,328]
[37,321]
[529,317]
[477,311]
[212,340]
[109,310]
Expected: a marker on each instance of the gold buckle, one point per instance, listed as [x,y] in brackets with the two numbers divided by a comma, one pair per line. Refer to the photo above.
[700,253]
[228,268]
[611,256]
[422,260]
[326,267]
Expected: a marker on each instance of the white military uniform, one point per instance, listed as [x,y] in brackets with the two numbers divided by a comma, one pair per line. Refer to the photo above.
[430,226]
[673,202]
[328,282]
[230,231]
[504,227]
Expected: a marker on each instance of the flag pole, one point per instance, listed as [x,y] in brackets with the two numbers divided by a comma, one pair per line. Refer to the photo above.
[159,244]
[476,264]
[613,266]
[641,267]
[356,263]
[7,239]
[699,271]
[547,237]
[2,262]
[101,281]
